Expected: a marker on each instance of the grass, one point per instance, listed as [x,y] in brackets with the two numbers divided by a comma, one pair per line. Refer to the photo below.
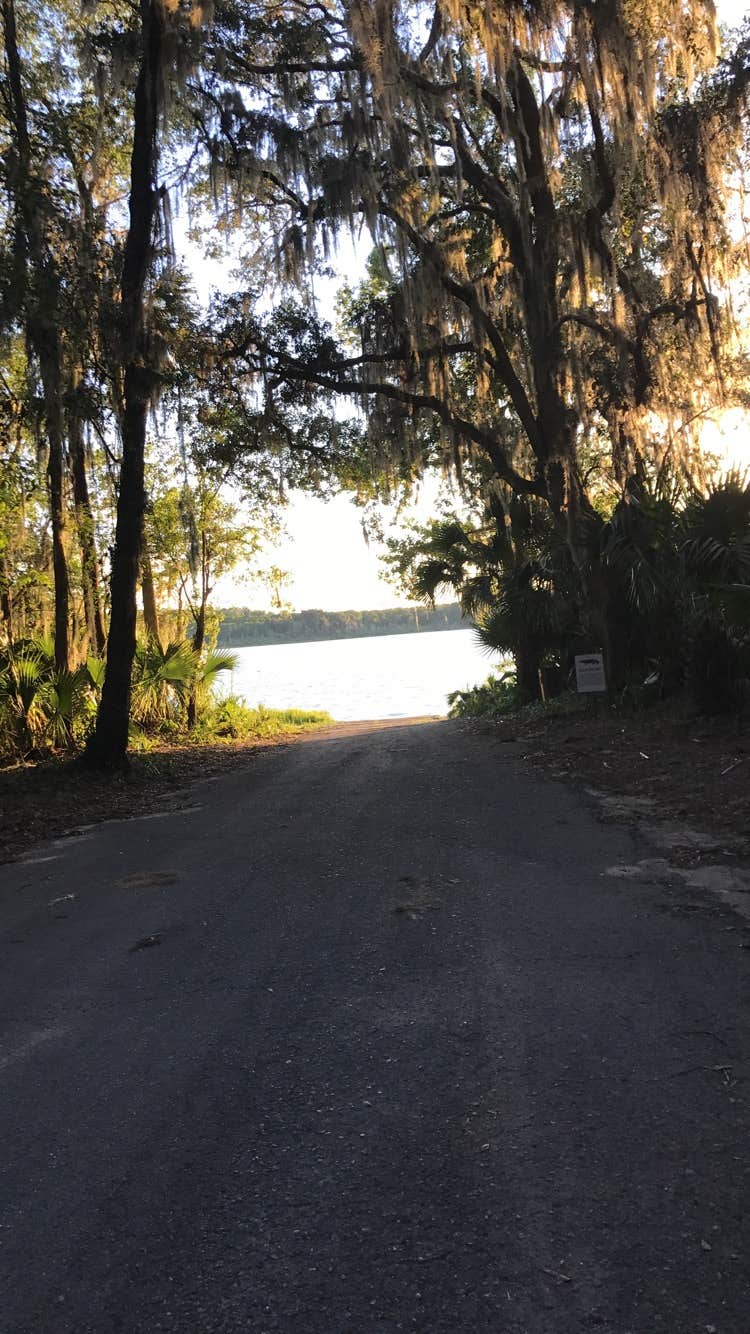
[229,719]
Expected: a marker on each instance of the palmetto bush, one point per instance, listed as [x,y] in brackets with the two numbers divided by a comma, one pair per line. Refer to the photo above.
[41,707]
[511,572]
[24,676]
[718,663]
[678,570]
[162,681]
[165,680]
[716,555]
[69,703]
[715,529]
[208,672]
[673,566]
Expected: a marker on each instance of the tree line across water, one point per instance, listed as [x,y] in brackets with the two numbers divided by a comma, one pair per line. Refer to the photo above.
[554,303]
[240,626]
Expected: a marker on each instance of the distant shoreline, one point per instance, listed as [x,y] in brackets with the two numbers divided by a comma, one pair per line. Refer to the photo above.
[363,634]
[242,628]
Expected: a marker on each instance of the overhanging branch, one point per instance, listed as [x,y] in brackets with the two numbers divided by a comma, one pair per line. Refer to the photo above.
[418,402]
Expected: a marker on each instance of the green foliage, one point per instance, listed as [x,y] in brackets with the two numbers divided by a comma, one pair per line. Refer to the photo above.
[229,718]
[23,677]
[716,534]
[64,705]
[718,664]
[671,564]
[39,704]
[95,668]
[41,707]
[497,696]
[162,680]
[678,576]
[510,571]
[207,673]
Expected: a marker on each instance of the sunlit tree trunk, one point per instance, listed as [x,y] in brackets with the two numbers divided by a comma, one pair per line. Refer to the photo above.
[150,612]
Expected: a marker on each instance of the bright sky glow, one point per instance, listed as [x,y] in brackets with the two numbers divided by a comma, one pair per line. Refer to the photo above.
[732,12]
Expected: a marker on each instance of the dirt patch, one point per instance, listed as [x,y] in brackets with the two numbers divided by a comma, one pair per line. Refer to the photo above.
[684,780]
[660,764]
[42,801]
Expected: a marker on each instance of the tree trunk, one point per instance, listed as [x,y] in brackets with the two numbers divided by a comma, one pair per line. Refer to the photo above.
[6,601]
[199,639]
[108,746]
[199,634]
[150,613]
[527,668]
[556,450]
[86,539]
[33,255]
[50,358]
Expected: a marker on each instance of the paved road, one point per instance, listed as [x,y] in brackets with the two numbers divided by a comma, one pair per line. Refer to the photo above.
[403,1057]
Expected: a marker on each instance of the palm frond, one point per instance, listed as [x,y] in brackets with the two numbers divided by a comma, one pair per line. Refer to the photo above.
[95,668]
[213,664]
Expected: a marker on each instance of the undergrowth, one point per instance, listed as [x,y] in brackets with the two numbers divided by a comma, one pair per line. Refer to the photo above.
[229,719]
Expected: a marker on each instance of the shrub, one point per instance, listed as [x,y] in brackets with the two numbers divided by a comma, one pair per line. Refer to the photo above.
[229,718]
[497,696]
[718,665]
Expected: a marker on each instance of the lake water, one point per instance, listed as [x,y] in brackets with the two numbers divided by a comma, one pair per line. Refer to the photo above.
[386,676]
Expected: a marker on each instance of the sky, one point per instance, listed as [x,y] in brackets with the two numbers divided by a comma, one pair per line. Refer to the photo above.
[329,563]
[732,12]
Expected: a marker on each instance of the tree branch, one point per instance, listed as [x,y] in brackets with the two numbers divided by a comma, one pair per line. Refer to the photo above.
[464,292]
[417,401]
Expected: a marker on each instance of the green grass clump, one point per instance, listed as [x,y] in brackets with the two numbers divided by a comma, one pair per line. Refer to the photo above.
[230,719]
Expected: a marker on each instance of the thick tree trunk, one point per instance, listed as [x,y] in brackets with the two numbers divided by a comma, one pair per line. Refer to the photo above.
[108,746]
[150,612]
[527,668]
[557,446]
[86,539]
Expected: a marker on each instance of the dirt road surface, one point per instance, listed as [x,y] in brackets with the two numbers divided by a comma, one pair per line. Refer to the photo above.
[365,1038]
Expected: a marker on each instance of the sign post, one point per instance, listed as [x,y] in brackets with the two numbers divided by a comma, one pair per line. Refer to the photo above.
[590,675]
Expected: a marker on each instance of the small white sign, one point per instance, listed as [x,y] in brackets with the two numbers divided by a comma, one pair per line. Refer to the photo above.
[590,676]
